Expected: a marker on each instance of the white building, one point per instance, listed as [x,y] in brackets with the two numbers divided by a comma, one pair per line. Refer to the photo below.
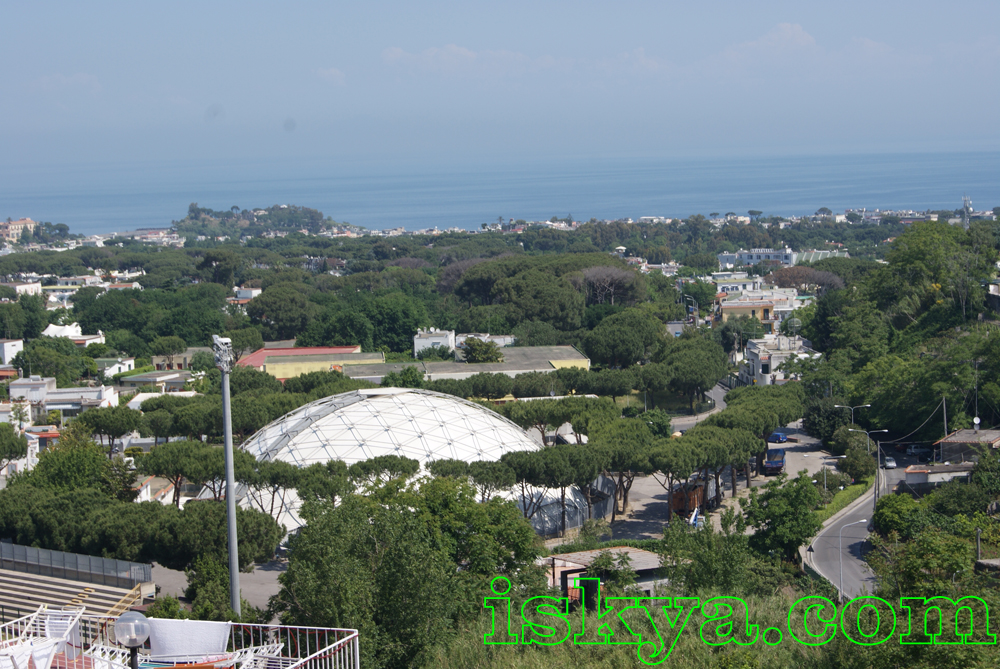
[26,288]
[247,293]
[765,356]
[43,396]
[112,366]
[9,348]
[73,333]
[499,340]
[432,337]
[79,281]
[735,282]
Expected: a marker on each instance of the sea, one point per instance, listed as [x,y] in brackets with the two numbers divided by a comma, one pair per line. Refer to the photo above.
[116,197]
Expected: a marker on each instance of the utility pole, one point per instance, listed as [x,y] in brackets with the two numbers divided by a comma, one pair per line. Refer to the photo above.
[224,359]
[944,400]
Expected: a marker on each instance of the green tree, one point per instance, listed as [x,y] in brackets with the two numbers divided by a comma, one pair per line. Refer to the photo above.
[13,446]
[245,341]
[491,477]
[858,464]
[476,350]
[282,312]
[202,361]
[696,365]
[782,515]
[449,467]
[626,446]
[175,461]
[490,386]
[168,347]
[623,339]
[111,422]
[376,568]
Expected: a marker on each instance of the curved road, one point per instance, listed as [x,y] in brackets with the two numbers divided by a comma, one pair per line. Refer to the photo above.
[826,559]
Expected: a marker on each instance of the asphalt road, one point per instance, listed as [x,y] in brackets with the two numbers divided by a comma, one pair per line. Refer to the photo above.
[831,552]
[718,393]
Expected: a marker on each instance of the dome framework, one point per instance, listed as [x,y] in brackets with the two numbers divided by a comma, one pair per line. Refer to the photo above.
[362,424]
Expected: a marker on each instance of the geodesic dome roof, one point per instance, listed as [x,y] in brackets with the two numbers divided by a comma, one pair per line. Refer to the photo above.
[362,424]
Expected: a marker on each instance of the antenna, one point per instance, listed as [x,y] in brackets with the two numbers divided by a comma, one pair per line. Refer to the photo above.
[794,325]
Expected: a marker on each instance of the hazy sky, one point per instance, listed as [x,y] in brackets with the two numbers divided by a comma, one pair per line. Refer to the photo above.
[480,81]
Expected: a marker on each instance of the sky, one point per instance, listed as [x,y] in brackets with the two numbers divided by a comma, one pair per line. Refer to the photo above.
[474,82]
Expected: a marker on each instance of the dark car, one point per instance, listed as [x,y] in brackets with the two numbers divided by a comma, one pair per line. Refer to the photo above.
[778,438]
[926,457]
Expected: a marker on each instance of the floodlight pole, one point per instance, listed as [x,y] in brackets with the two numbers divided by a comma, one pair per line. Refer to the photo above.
[223,349]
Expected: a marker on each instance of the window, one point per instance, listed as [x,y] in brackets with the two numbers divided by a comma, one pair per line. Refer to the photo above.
[765,368]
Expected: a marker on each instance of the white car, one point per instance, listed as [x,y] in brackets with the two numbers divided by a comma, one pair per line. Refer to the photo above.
[890,463]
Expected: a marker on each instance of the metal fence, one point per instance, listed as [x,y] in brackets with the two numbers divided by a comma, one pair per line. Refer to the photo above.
[85,568]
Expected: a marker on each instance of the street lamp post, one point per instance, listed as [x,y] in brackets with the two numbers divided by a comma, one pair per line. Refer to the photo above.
[869,435]
[224,359]
[697,312]
[863,520]
[860,406]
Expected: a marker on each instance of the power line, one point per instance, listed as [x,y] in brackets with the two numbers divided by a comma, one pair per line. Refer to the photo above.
[893,441]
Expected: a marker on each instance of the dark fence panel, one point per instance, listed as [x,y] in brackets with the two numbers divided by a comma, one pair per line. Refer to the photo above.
[85,568]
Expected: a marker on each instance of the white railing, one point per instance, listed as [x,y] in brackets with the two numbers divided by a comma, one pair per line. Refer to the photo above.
[250,646]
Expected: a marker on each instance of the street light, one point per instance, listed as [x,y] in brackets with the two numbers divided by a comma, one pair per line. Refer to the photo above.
[869,433]
[860,406]
[224,359]
[857,522]
[131,631]
[697,313]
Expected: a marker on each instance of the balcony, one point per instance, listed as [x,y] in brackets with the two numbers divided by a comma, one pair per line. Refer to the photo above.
[68,638]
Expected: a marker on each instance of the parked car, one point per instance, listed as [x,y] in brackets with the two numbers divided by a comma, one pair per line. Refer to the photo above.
[778,438]
[926,457]
[917,450]
[890,463]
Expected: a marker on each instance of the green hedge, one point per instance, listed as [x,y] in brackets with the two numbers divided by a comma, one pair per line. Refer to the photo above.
[139,370]
[843,498]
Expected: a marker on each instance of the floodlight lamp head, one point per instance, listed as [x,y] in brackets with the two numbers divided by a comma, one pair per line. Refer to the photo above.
[223,349]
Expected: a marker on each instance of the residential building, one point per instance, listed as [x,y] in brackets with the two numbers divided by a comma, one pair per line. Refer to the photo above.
[167,381]
[433,337]
[499,340]
[735,282]
[112,366]
[285,363]
[79,281]
[247,293]
[43,396]
[764,357]
[770,306]
[73,333]
[922,479]
[9,348]
[12,230]
[962,445]
[128,285]
[179,361]
[784,257]
[25,287]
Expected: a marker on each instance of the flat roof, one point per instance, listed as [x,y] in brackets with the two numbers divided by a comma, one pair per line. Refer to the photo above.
[971,437]
[640,559]
[258,357]
[941,469]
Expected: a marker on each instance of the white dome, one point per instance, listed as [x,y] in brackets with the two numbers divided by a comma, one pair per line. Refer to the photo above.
[363,424]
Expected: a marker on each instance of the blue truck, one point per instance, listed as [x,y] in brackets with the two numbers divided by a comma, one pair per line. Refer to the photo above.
[774,461]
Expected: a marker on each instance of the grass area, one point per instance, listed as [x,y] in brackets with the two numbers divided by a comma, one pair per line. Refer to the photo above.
[134,372]
[843,498]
